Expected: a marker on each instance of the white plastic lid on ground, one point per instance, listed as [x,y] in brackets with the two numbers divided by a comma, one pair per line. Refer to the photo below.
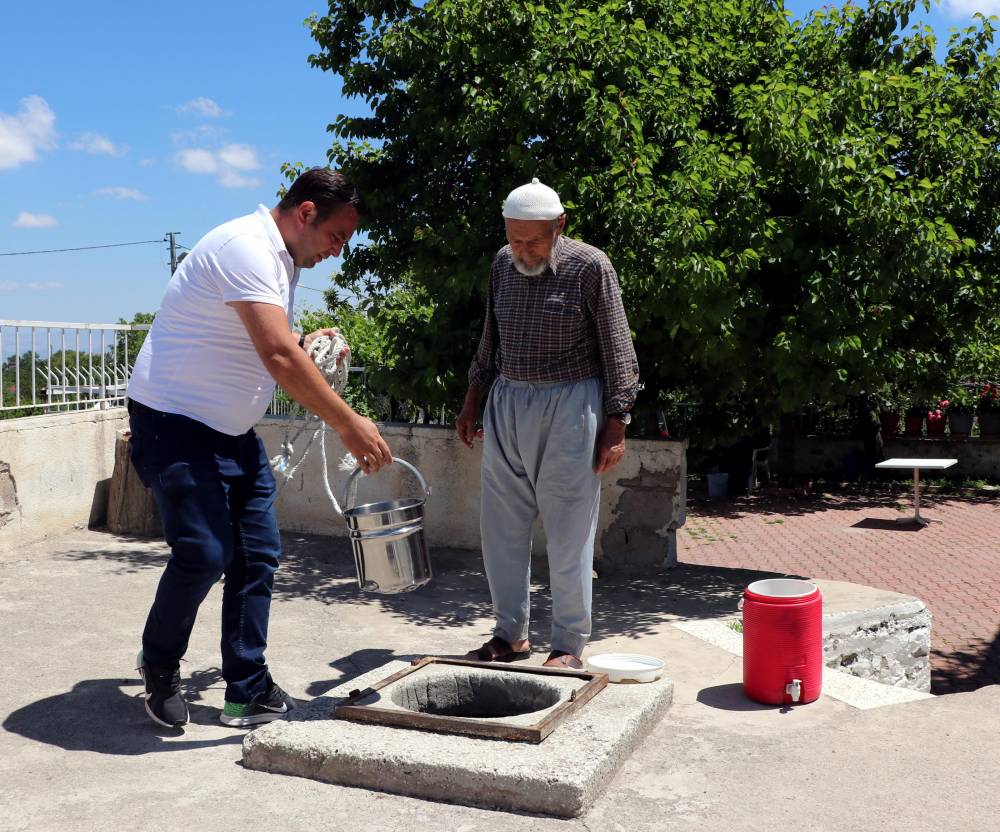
[626,667]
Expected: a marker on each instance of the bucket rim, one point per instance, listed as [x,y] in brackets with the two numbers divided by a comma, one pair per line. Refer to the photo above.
[787,589]
[385,506]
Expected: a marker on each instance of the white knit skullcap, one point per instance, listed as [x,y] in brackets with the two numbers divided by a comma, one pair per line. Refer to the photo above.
[533,201]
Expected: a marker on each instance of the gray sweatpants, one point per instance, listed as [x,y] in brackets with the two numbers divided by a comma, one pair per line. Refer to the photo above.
[538,458]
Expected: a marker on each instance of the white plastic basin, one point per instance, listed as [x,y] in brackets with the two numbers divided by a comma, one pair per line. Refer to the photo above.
[626,667]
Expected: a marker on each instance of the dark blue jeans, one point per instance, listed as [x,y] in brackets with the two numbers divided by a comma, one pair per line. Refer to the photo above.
[216,495]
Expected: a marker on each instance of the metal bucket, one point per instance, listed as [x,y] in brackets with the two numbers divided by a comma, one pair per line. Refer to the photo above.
[390,552]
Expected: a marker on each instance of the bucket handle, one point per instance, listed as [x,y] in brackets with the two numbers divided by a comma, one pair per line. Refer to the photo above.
[351,489]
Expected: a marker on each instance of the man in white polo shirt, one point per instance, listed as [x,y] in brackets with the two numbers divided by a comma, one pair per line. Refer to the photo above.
[204,377]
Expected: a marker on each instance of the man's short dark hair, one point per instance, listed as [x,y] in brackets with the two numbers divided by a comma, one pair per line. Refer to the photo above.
[328,189]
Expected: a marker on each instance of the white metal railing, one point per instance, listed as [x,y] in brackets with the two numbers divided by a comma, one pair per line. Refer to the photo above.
[48,366]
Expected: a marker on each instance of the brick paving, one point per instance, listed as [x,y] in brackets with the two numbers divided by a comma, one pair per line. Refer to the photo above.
[953,567]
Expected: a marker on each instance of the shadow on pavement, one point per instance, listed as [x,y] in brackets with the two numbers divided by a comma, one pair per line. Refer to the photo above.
[322,569]
[98,715]
[967,670]
[859,499]
[625,604]
[886,525]
[732,698]
[356,664]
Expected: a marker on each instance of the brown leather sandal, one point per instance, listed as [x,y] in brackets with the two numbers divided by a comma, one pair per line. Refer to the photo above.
[497,650]
[561,659]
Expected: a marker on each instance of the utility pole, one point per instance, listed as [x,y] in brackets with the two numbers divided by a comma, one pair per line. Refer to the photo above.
[172,239]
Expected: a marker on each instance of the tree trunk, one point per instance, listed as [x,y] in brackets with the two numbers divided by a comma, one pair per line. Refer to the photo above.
[131,507]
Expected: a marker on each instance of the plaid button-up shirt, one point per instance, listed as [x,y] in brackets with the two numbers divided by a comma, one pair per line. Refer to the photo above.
[566,324]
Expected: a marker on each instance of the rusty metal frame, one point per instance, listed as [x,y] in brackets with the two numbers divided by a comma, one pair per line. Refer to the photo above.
[468,726]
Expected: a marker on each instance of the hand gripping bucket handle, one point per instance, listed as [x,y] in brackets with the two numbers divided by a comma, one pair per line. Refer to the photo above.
[351,489]
[387,537]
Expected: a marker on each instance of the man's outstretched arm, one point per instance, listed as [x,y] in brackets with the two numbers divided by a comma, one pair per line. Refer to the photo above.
[279,350]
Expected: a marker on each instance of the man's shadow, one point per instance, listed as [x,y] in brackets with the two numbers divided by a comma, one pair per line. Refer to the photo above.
[107,716]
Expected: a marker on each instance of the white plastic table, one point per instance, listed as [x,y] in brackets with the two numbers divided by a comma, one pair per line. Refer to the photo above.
[916,465]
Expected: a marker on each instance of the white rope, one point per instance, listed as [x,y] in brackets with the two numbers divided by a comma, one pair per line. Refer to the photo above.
[333,358]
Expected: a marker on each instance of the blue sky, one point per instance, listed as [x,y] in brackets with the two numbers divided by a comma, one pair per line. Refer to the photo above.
[120,122]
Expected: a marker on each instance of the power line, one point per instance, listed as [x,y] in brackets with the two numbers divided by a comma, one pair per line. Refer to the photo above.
[310,288]
[80,248]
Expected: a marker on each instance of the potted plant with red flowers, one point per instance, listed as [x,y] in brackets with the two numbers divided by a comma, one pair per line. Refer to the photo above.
[913,420]
[888,411]
[988,409]
[937,419]
[961,411]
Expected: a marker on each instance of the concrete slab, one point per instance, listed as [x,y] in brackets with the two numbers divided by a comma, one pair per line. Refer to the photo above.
[77,752]
[561,776]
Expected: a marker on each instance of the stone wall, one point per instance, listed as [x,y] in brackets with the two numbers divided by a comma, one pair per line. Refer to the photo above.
[837,456]
[888,644]
[642,500]
[54,473]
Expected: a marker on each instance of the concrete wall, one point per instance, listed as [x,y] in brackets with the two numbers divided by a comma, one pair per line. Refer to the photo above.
[54,473]
[833,456]
[642,501]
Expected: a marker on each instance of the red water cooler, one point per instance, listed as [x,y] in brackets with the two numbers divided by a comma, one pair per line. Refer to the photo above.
[782,641]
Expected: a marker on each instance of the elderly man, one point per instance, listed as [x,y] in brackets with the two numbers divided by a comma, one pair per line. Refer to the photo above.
[558,363]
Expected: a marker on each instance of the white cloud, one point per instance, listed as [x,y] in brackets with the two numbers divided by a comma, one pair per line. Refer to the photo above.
[24,134]
[9,286]
[28,220]
[120,192]
[229,163]
[202,134]
[145,163]
[196,160]
[203,106]
[967,8]
[239,156]
[231,179]
[97,144]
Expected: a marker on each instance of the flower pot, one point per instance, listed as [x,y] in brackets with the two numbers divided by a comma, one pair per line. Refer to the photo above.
[989,425]
[960,424]
[889,422]
[913,425]
[936,424]
[718,484]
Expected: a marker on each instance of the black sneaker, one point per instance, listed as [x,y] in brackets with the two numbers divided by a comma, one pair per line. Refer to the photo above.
[164,702]
[273,704]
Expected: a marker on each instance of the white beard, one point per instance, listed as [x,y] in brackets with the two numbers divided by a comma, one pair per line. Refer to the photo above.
[531,271]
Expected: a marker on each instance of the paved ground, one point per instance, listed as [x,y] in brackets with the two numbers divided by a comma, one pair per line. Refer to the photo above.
[77,753]
[953,567]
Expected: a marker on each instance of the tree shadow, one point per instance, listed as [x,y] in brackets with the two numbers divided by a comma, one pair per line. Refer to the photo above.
[887,497]
[140,555]
[98,715]
[354,665]
[322,569]
[967,669]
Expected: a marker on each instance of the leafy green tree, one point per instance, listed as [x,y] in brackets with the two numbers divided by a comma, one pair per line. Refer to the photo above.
[796,210]
[128,343]
[17,374]
[379,393]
